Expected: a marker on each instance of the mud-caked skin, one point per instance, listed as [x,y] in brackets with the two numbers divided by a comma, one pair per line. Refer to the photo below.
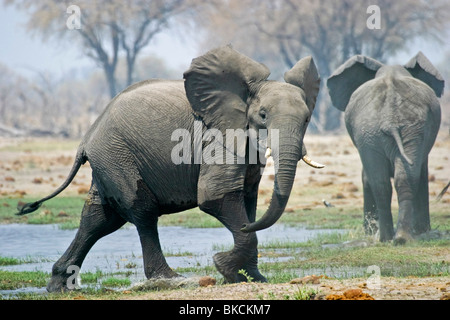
[393,115]
[134,178]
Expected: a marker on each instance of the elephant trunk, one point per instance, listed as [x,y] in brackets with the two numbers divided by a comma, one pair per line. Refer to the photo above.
[285,160]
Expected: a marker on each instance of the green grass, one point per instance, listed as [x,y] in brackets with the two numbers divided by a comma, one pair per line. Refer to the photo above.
[112,282]
[324,218]
[346,255]
[305,293]
[7,261]
[419,258]
[193,218]
[10,280]
[65,211]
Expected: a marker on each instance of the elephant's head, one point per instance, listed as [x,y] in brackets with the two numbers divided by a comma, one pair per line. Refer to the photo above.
[230,91]
[359,69]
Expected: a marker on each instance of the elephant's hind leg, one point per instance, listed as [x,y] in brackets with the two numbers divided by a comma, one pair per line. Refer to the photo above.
[422,207]
[155,265]
[145,214]
[378,175]
[407,183]
[97,220]
[370,208]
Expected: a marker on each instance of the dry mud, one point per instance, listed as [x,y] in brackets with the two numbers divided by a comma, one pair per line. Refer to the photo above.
[387,288]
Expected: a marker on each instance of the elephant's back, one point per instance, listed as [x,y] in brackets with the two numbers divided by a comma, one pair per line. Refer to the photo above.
[150,100]
[146,113]
[392,103]
[392,99]
[136,130]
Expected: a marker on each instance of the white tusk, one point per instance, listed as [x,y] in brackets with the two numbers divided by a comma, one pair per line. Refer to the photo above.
[312,163]
[268,153]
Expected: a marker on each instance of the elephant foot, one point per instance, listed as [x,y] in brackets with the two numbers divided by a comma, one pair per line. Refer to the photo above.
[165,273]
[401,237]
[64,278]
[59,283]
[229,266]
[226,265]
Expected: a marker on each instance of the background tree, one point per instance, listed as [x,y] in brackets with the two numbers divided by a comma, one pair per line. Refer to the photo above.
[330,31]
[107,27]
[278,33]
[45,104]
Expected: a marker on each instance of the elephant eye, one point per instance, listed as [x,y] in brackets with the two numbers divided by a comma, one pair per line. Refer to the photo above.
[263,116]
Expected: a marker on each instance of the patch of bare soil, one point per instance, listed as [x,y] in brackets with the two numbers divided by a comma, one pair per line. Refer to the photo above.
[36,173]
[388,288]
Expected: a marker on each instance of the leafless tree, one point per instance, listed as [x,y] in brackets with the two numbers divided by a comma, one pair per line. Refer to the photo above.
[106,27]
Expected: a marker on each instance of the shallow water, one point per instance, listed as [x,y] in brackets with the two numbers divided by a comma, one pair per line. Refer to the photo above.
[121,250]
[46,243]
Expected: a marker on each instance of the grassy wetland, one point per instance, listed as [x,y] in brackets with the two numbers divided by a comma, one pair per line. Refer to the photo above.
[324,264]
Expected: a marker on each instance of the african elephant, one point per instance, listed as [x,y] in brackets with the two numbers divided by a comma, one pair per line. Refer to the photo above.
[392,115]
[136,175]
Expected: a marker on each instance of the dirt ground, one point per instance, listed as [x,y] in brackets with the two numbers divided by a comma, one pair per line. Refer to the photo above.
[38,172]
[436,288]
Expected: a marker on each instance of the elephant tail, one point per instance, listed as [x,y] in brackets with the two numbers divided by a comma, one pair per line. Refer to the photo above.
[396,135]
[441,194]
[80,159]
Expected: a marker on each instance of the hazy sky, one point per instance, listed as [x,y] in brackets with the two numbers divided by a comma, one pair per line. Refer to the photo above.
[27,55]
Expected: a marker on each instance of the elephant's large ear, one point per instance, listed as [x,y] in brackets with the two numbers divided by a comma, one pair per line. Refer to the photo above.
[421,68]
[217,87]
[349,77]
[304,75]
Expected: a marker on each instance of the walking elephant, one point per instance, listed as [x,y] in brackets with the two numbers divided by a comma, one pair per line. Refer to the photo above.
[392,115]
[159,148]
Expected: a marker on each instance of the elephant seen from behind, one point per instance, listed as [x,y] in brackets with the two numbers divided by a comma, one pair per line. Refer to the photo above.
[140,172]
[392,114]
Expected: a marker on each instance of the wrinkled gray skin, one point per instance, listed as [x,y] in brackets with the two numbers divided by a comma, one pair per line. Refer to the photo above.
[134,179]
[393,116]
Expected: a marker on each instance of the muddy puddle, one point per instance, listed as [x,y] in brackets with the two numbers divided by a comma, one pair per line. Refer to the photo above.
[42,245]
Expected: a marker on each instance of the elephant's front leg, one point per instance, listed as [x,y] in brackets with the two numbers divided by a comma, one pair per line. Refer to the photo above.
[406,181]
[251,267]
[231,211]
